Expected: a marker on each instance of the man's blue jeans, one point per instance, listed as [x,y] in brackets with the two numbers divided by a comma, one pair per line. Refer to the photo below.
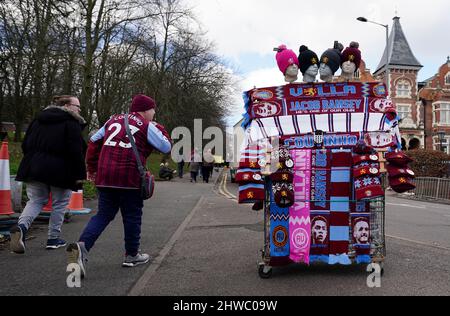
[109,202]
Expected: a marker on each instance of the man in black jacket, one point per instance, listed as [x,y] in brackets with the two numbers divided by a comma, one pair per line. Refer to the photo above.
[53,162]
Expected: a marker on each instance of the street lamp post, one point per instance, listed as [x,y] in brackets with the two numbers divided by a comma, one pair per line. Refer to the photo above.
[386,26]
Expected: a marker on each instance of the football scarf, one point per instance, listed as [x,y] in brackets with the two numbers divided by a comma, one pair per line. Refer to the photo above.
[294,125]
[299,106]
[279,228]
[320,233]
[299,221]
[341,193]
[361,239]
[320,205]
[314,98]
[320,180]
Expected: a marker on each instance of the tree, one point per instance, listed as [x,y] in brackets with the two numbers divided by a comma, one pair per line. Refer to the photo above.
[106,51]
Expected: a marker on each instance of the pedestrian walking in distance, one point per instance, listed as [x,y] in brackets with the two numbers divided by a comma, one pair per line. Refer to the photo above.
[53,162]
[195,165]
[181,169]
[112,164]
[207,166]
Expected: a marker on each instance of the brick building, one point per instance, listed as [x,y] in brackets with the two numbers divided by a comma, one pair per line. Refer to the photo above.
[403,69]
[435,101]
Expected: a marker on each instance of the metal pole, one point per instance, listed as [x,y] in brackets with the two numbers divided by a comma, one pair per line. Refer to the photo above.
[388,82]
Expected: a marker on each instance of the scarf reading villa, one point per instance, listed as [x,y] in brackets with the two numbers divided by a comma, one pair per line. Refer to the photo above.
[299,221]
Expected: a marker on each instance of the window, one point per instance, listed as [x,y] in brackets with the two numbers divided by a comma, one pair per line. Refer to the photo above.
[403,89]
[447,79]
[442,113]
[445,146]
[403,110]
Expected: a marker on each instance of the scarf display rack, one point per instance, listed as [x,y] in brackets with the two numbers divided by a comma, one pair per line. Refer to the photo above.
[332,208]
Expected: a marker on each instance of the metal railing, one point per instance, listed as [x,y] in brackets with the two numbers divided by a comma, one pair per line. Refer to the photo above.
[432,189]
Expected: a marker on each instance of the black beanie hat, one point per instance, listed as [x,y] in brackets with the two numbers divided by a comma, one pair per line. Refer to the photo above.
[332,57]
[307,58]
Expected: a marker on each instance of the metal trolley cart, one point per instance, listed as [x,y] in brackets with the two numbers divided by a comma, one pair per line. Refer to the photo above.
[377,237]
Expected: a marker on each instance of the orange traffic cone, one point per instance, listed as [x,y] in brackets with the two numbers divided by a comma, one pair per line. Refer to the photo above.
[47,209]
[5,182]
[75,206]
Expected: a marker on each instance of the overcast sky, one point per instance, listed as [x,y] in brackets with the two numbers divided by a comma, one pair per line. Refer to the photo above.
[246,31]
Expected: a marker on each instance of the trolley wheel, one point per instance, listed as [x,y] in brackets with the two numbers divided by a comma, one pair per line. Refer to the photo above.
[265,272]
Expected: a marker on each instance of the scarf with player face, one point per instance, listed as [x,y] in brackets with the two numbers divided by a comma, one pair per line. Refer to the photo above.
[360,225]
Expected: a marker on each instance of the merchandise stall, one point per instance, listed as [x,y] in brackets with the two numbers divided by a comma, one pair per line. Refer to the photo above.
[313,161]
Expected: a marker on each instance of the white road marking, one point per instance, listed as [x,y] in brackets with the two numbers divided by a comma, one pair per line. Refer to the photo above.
[407,205]
[419,242]
[234,197]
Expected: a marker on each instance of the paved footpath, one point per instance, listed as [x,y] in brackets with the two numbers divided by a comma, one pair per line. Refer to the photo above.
[41,272]
[203,243]
[218,251]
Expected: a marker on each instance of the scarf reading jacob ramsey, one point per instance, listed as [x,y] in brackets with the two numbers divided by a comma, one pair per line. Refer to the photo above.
[312,99]
[320,205]
[317,90]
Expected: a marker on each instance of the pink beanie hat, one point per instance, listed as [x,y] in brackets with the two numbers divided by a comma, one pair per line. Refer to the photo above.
[285,58]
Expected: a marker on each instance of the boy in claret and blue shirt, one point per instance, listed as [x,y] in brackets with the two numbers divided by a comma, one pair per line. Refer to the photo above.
[111,163]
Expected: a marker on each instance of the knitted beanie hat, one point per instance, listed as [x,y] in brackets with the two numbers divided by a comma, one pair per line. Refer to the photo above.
[283,194]
[398,158]
[352,54]
[282,176]
[251,193]
[244,176]
[357,159]
[282,157]
[332,57]
[285,58]
[253,157]
[362,148]
[395,171]
[365,168]
[368,188]
[307,58]
[402,184]
[401,178]
[142,103]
